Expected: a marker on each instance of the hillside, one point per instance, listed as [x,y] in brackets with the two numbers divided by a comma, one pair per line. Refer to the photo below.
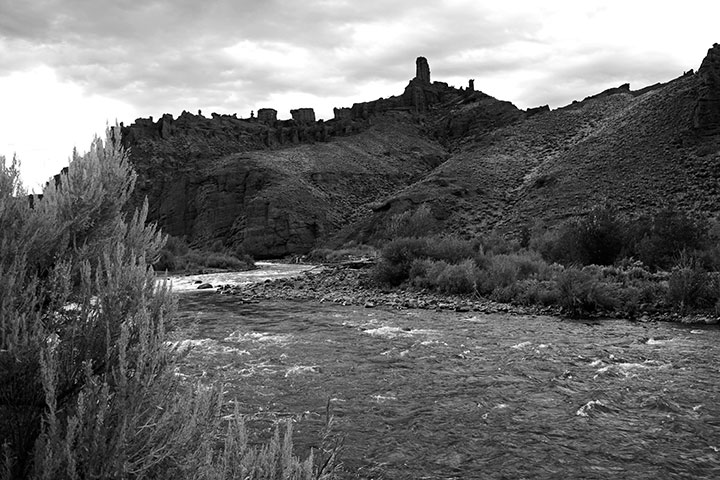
[281,187]
[639,151]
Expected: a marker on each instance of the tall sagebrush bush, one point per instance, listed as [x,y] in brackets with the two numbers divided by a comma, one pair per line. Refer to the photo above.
[85,385]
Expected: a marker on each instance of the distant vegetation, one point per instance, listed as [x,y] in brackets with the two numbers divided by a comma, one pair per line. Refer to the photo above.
[87,383]
[177,256]
[600,263]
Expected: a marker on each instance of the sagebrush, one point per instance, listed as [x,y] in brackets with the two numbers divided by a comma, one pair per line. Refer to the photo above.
[87,388]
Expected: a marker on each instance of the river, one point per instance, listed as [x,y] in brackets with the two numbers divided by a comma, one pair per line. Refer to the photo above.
[425,394]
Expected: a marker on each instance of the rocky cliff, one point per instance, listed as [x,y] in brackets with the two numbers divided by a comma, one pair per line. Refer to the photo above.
[278,187]
[221,179]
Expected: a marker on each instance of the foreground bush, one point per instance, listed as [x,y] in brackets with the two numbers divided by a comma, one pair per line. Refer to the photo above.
[87,388]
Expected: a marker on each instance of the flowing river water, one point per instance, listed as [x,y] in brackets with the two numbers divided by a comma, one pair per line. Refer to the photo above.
[425,394]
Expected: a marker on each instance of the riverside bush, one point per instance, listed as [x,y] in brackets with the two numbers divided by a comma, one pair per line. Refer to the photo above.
[87,387]
[444,277]
[501,271]
[452,249]
[178,256]
[666,235]
[580,293]
[349,251]
[690,286]
[397,257]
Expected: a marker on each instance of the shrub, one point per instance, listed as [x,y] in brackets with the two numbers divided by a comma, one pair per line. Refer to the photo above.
[178,256]
[397,257]
[495,243]
[669,233]
[199,259]
[87,388]
[412,224]
[690,286]
[347,252]
[501,271]
[444,277]
[596,238]
[459,278]
[422,272]
[451,249]
[176,246]
[579,293]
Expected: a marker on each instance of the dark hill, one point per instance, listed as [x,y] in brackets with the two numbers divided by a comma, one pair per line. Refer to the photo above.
[278,188]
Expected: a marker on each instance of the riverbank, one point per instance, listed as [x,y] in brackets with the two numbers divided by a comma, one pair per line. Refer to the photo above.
[345,285]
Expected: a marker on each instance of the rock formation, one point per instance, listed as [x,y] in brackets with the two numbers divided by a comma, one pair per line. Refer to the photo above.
[342,113]
[268,116]
[706,117]
[303,115]
[535,110]
[422,70]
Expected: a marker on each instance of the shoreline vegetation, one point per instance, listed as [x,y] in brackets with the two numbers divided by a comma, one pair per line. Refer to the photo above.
[662,267]
[178,257]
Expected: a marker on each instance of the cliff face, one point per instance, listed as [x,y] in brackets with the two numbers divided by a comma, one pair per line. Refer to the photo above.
[272,201]
[280,187]
[707,110]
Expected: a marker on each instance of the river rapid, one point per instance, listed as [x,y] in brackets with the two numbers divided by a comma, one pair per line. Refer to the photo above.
[426,394]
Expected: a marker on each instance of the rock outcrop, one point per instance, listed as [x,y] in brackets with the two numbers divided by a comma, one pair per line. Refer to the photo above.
[706,118]
[268,116]
[303,115]
[419,96]
[422,71]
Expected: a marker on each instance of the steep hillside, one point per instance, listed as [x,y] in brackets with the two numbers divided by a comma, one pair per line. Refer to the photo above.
[637,150]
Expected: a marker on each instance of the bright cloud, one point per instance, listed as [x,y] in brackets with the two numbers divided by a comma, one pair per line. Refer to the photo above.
[70,66]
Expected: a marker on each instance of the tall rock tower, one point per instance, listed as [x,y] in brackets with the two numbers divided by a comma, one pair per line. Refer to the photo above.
[422,70]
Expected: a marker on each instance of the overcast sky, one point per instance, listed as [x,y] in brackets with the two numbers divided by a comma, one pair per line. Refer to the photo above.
[68,67]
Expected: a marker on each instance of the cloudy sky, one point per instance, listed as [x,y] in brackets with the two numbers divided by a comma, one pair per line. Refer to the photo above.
[68,67]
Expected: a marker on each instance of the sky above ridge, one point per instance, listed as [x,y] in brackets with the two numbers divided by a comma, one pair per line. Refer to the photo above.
[70,67]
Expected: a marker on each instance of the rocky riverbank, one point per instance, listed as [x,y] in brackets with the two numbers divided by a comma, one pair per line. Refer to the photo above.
[345,285]
[351,286]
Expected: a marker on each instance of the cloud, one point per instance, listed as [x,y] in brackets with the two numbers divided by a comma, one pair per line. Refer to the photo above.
[159,53]
[163,55]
